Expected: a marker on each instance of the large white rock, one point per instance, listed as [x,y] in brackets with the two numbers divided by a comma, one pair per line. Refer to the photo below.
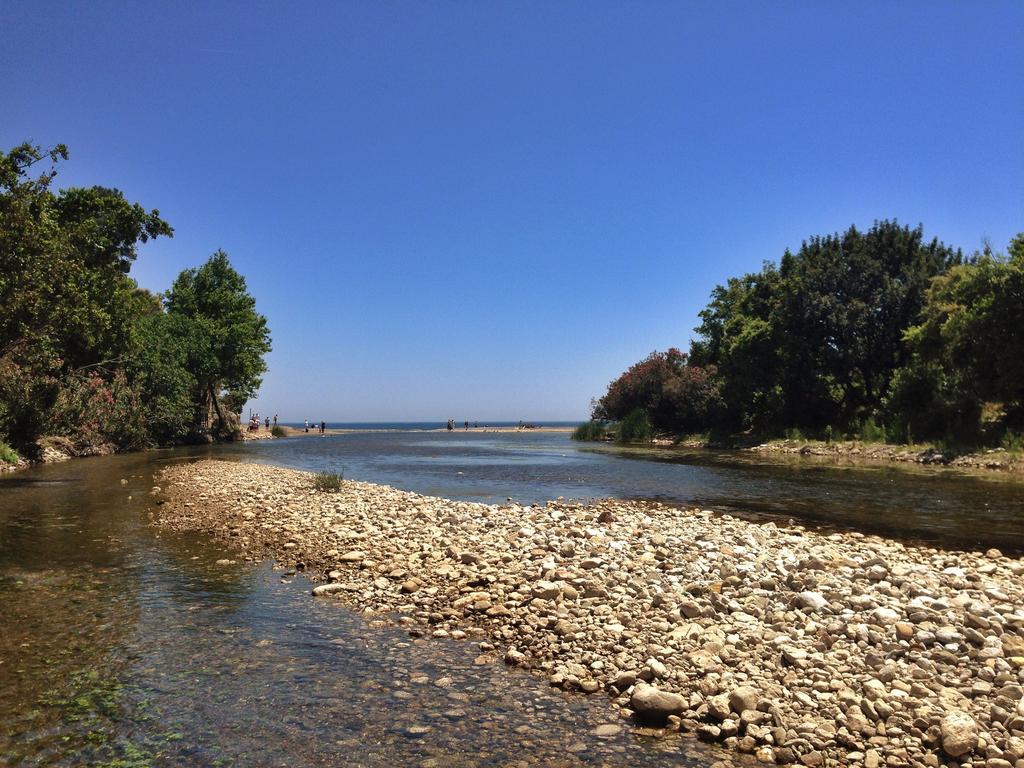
[744,698]
[546,590]
[884,616]
[654,704]
[959,734]
[327,589]
[813,601]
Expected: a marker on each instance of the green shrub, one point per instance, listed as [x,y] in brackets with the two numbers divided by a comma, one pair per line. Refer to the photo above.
[592,430]
[1012,441]
[277,431]
[871,432]
[328,481]
[793,434]
[635,428]
[8,454]
[25,382]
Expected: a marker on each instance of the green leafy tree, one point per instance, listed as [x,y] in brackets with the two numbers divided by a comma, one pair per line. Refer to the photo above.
[967,352]
[740,337]
[816,341]
[226,338]
[159,369]
[848,300]
[103,231]
[87,354]
[31,247]
[64,260]
[64,290]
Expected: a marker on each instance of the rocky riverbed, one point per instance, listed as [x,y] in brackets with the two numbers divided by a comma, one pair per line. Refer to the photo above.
[784,644]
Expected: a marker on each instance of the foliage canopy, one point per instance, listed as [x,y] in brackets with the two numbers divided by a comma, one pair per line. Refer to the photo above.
[878,333]
[86,353]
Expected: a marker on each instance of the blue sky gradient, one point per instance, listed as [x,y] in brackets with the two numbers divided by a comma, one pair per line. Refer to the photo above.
[489,210]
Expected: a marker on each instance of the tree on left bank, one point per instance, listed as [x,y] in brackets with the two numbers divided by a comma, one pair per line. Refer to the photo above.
[88,355]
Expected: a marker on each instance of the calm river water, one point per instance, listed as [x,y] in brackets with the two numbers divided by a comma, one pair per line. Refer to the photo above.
[122,645]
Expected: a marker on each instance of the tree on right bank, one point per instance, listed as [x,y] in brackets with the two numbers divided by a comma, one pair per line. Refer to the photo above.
[880,335]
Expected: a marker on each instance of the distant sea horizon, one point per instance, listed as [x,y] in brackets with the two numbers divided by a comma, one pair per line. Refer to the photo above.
[417,426]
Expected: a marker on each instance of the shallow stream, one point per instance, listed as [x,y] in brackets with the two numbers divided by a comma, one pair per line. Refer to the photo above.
[122,645]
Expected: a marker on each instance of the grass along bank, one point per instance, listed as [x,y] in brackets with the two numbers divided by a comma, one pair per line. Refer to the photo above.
[1008,457]
[10,459]
[992,458]
[800,647]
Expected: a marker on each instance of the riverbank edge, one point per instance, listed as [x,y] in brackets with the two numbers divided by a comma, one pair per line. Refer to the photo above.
[456,592]
[54,449]
[996,460]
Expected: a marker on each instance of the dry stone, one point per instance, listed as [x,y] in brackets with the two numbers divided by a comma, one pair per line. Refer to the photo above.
[653,704]
[959,734]
[827,649]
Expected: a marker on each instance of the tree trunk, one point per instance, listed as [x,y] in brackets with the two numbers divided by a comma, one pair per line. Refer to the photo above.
[216,407]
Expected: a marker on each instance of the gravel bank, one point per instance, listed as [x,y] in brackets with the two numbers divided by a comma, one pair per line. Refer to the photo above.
[788,645]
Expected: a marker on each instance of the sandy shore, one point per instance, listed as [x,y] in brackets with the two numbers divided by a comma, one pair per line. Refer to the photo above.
[785,644]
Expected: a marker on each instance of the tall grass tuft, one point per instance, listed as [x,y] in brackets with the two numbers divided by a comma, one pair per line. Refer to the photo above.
[277,431]
[7,454]
[329,482]
[1012,441]
[871,432]
[592,430]
[635,428]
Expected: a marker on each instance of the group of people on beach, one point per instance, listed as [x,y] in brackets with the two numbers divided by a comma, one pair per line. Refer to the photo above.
[254,422]
[476,425]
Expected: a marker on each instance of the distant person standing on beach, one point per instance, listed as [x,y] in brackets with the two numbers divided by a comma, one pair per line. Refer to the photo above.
[266,422]
[275,419]
[307,425]
[323,427]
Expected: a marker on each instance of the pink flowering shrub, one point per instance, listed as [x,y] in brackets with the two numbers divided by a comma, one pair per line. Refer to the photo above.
[94,410]
[675,396]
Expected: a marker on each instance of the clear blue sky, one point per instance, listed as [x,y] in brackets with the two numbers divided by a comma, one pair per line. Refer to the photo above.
[486,210]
